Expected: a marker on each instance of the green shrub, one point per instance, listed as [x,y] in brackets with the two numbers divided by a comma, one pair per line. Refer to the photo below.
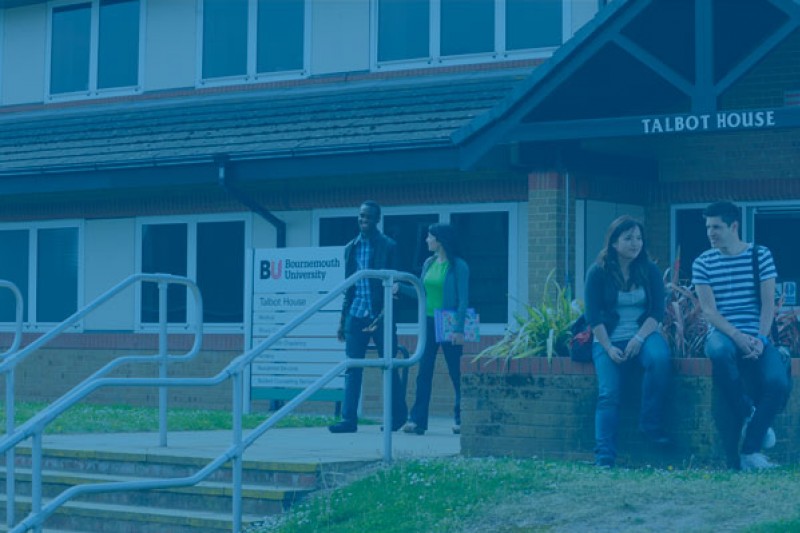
[541,331]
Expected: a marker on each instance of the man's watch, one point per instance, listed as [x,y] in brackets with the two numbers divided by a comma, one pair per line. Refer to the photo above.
[763,338]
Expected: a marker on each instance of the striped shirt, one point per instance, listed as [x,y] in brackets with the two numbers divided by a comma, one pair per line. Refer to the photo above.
[731,279]
[362,302]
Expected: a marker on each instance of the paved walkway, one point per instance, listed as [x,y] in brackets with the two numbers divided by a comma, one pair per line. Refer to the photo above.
[294,445]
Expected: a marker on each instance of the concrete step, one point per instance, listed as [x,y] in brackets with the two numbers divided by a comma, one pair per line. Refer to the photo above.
[163,465]
[109,518]
[209,496]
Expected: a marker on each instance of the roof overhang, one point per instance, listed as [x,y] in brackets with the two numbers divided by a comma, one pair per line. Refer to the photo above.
[645,68]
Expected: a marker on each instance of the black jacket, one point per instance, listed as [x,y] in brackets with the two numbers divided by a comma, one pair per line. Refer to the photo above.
[384,256]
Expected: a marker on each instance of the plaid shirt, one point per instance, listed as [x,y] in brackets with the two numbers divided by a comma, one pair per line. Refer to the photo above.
[362,301]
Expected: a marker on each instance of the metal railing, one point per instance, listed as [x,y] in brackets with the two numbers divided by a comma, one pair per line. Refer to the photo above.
[235,371]
[15,344]
[34,428]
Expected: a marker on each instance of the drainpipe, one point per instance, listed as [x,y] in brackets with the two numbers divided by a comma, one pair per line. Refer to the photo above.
[248,201]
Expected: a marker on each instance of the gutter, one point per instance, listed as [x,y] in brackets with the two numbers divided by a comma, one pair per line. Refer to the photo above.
[222,175]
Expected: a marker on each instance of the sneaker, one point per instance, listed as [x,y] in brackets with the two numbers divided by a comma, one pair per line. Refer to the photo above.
[769,437]
[412,427]
[604,462]
[343,427]
[457,429]
[752,462]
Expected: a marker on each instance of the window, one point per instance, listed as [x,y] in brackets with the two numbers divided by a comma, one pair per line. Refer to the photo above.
[210,251]
[770,224]
[435,30]
[243,39]
[43,262]
[94,46]
[485,234]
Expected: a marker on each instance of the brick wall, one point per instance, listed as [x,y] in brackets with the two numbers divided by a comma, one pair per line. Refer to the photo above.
[534,408]
[546,214]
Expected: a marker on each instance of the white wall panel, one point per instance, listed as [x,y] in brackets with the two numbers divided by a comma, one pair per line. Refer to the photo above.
[109,258]
[170,43]
[340,36]
[24,38]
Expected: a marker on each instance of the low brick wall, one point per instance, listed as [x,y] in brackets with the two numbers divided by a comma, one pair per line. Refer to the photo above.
[546,409]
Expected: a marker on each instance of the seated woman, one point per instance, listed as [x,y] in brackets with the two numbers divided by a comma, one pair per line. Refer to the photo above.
[624,307]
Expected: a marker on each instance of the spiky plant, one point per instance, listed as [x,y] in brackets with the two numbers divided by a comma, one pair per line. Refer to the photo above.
[542,330]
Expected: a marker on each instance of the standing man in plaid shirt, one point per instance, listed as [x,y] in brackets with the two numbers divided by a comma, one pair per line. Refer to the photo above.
[363,304]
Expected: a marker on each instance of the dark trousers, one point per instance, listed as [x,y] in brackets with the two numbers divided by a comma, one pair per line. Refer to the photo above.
[452,356]
[356,342]
[770,378]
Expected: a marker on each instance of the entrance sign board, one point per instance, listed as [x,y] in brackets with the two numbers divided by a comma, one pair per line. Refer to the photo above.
[286,281]
[723,120]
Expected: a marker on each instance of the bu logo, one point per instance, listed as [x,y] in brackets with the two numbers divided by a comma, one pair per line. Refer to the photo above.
[271,269]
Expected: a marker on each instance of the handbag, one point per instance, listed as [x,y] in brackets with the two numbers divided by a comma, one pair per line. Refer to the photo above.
[580,344]
[444,321]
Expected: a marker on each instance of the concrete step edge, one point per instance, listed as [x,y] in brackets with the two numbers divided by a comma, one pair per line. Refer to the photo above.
[249,490]
[129,513]
[166,458]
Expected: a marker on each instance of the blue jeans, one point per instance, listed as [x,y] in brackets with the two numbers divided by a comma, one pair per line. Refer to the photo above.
[771,385]
[654,357]
[356,341]
[452,355]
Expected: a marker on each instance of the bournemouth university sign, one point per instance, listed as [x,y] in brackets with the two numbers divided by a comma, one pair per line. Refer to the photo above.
[720,121]
[286,281]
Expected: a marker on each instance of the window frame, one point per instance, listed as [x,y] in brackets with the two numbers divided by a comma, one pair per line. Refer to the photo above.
[31,323]
[252,75]
[434,59]
[94,54]
[516,274]
[191,221]
[750,210]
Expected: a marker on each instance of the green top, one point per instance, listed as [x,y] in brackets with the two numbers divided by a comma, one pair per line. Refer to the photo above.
[434,286]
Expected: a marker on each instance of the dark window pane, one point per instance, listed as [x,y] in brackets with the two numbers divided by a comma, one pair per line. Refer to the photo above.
[337,231]
[14,246]
[164,251]
[483,240]
[220,271]
[777,232]
[280,35]
[56,274]
[69,52]
[690,238]
[118,52]
[403,29]
[409,231]
[467,27]
[533,23]
[224,38]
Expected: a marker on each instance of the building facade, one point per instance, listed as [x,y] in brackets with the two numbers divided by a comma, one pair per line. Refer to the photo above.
[174,135]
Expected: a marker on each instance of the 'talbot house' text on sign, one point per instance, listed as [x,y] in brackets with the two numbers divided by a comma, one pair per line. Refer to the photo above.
[287,281]
[723,120]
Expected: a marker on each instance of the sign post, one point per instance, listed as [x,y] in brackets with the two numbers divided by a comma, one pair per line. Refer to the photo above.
[286,281]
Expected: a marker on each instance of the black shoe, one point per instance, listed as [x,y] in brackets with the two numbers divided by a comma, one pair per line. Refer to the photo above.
[657,437]
[343,427]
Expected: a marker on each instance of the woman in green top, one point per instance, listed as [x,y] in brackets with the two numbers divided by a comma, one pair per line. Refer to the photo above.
[445,277]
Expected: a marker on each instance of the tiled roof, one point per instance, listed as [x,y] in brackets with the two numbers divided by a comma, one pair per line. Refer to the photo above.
[347,117]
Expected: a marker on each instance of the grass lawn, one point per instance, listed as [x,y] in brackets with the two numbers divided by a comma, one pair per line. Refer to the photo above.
[515,496]
[90,418]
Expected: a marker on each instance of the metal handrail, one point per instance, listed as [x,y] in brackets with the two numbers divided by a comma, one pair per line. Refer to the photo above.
[34,427]
[17,318]
[15,343]
[9,365]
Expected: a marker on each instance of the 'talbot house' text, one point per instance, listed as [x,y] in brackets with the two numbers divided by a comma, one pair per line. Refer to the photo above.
[705,122]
